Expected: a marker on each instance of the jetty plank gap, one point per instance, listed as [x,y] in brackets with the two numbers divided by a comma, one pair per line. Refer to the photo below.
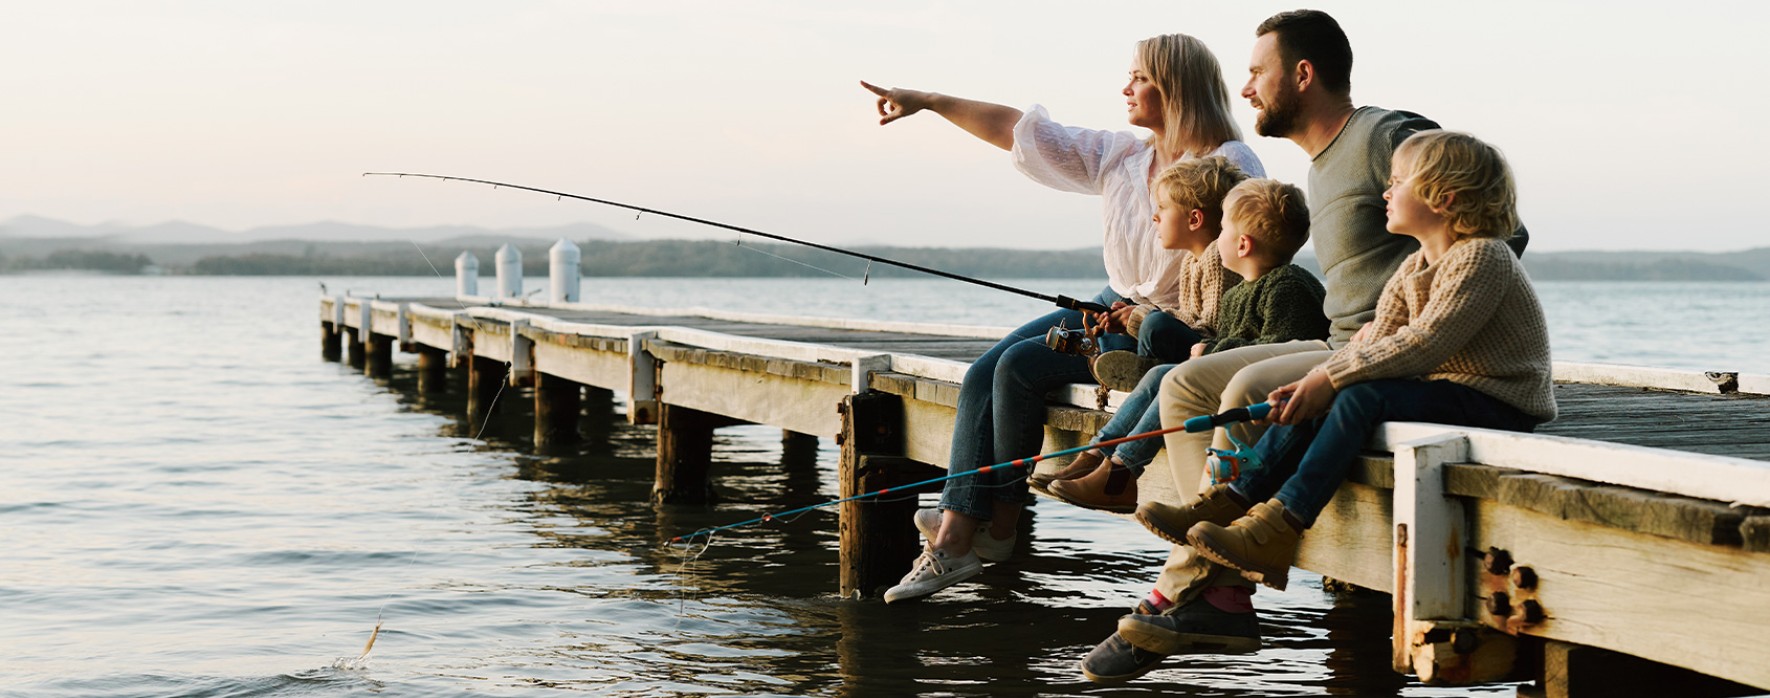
[1627,541]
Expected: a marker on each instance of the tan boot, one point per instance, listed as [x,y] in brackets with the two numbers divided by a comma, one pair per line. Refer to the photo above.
[1084,463]
[1170,523]
[1262,544]
[1111,487]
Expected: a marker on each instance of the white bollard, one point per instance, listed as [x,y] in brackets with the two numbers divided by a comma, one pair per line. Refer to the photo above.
[466,275]
[563,269]
[509,261]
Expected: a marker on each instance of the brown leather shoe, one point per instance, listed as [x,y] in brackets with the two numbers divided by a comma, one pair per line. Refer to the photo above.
[1084,463]
[1171,523]
[1262,544]
[1111,487]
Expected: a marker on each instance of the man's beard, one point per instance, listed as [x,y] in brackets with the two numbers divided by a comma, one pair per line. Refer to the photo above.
[1279,117]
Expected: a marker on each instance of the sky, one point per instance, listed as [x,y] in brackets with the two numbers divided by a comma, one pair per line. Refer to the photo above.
[1631,126]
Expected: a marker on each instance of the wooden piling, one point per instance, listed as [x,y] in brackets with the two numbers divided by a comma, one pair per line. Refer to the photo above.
[558,404]
[353,343]
[331,341]
[1576,671]
[685,452]
[433,366]
[379,360]
[485,378]
[798,448]
[878,537]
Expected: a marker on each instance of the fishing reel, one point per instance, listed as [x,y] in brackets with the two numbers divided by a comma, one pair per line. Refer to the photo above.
[1225,465]
[1067,341]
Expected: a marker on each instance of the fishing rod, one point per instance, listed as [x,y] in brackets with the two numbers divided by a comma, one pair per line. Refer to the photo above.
[1060,301]
[1239,414]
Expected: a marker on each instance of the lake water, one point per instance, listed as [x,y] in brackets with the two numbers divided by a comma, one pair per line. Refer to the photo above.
[192,503]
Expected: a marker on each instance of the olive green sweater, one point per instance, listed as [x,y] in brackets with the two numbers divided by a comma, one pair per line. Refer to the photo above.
[1284,304]
[1470,318]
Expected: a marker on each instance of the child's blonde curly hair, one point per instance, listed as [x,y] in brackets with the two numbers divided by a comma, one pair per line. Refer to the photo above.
[1465,179]
[1273,212]
[1199,183]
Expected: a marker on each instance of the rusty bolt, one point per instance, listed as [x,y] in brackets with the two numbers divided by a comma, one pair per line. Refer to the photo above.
[1524,578]
[841,438]
[1464,640]
[1498,561]
[1533,612]
[841,408]
[1499,604]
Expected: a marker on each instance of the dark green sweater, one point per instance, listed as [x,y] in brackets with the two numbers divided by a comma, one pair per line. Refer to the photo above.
[1282,305]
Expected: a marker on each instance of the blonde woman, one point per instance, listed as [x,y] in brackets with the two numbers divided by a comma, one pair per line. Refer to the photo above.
[1176,91]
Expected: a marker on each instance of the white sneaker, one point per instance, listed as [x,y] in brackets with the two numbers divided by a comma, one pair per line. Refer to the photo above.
[932,572]
[986,547]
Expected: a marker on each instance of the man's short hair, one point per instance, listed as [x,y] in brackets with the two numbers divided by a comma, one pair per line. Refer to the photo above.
[1273,212]
[1465,178]
[1314,36]
[1199,183]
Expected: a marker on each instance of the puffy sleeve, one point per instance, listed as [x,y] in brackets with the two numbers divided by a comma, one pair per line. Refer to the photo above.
[1064,157]
[1243,157]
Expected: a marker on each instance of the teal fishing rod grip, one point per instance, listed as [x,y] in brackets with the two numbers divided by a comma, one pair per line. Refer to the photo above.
[1251,413]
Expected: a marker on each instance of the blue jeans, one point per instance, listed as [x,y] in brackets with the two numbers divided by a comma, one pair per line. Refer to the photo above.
[1002,409]
[1303,464]
[1138,414]
[1165,338]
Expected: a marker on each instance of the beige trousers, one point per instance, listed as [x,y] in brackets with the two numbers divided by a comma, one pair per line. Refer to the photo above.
[1208,385]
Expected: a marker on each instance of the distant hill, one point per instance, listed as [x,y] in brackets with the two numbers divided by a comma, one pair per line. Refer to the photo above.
[30,243]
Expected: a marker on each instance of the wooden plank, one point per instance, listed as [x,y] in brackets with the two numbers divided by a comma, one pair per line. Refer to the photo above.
[1350,538]
[1684,518]
[804,406]
[1701,476]
[1680,603]
[603,369]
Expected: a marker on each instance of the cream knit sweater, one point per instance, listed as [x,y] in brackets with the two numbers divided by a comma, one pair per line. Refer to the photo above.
[1203,279]
[1472,318]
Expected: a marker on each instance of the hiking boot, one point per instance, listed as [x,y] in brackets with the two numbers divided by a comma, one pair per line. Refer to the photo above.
[1171,523]
[986,547]
[1111,487]
[1115,660]
[1262,544]
[1196,627]
[932,572]
[1121,370]
[1084,463]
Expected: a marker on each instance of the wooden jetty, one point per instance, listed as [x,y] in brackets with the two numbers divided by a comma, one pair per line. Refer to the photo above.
[1623,550]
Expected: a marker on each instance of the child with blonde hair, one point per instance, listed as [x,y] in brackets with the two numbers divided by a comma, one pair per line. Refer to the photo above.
[1459,338]
[1264,223]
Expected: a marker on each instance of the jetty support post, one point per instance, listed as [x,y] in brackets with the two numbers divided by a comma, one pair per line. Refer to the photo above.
[508,260]
[433,369]
[485,377]
[522,355]
[332,332]
[564,272]
[377,348]
[642,380]
[354,340]
[1436,635]
[685,455]
[878,538]
[1575,671]
[558,406]
[466,275]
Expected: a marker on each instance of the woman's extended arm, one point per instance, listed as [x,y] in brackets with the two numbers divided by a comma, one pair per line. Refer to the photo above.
[993,123]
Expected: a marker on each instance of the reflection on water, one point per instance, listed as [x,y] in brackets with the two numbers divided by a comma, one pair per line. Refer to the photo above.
[193,504]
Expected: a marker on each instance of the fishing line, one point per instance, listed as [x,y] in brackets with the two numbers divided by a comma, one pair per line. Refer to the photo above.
[831,272]
[1194,425]
[1061,301]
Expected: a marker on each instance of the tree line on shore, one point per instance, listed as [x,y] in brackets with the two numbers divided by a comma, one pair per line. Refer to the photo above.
[713,258]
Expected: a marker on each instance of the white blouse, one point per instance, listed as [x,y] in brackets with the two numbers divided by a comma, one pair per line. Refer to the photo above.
[1115,165]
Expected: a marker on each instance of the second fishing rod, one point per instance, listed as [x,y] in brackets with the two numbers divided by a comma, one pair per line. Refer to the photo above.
[1059,300]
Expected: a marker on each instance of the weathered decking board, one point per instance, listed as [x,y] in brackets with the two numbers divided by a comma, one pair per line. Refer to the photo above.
[1610,532]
